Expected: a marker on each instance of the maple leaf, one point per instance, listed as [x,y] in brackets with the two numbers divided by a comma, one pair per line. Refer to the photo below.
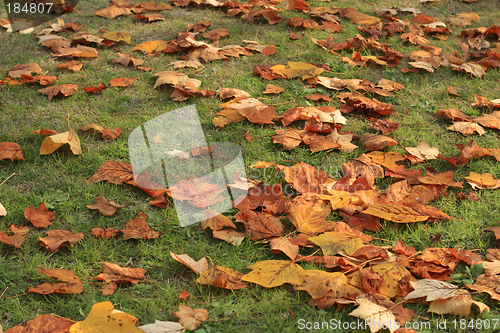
[74,285]
[259,115]
[491,120]
[215,221]
[377,142]
[105,233]
[39,217]
[319,283]
[272,89]
[113,172]
[126,59]
[189,318]
[151,17]
[56,239]
[121,82]
[487,284]
[289,138]
[44,80]
[362,167]
[386,126]
[216,34]
[283,245]
[273,273]
[10,150]
[466,128]
[63,89]
[482,181]
[374,314]
[305,178]
[219,276]
[114,273]
[26,69]
[44,323]
[196,266]
[151,47]
[360,18]
[224,93]
[102,317]
[232,237]
[333,242]
[53,142]
[405,212]
[269,14]
[309,215]
[105,208]
[436,178]
[423,152]
[18,238]
[139,228]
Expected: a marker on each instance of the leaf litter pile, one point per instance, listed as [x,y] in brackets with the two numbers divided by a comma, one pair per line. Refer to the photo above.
[291,217]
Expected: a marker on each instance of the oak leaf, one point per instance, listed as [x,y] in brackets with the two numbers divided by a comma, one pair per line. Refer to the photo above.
[189,318]
[139,228]
[405,212]
[39,217]
[273,273]
[105,207]
[196,266]
[56,239]
[74,285]
[223,277]
[53,142]
[63,89]
[104,318]
[10,150]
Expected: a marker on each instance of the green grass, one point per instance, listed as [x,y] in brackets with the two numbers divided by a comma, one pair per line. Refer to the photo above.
[59,179]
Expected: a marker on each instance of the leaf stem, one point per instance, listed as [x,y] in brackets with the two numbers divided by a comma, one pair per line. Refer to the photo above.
[7,179]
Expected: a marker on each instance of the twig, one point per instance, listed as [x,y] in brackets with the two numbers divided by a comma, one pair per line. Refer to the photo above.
[292,98]
[16,296]
[4,292]
[7,179]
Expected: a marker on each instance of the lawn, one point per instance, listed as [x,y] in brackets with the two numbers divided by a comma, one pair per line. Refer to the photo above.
[59,179]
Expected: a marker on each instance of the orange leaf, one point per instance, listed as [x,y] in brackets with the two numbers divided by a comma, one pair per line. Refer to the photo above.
[39,217]
[45,80]
[113,11]
[258,115]
[232,237]
[115,273]
[15,240]
[333,242]
[73,287]
[11,151]
[259,225]
[121,82]
[190,318]
[105,208]
[289,138]
[305,178]
[215,221]
[309,215]
[43,131]
[95,90]
[27,69]
[405,212]
[44,323]
[272,89]
[139,228]
[183,294]
[196,266]
[108,289]
[105,233]
[113,172]
[273,273]
[377,142]
[319,283]
[56,239]
[223,277]
[281,244]
[73,65]
[360,18]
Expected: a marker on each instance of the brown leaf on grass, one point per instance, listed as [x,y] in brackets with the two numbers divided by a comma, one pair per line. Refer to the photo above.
[272,89]
[436,178]
[44,323]
[363,166]
[471,150]
[56,239]
[377,142]
[224,93]
[466,128]
[105,233]
[117,36]
[452,91]
[333,242]
[227,116]
[190,318]
[126,59]
[18,238]
[298,69]
[95,90]
[63,89]
[232,237]
[360,18]
[373,313]
[216,34]
[39,217]
[387,159]
[196,266]
[150,47]
[107,134]
[259,225]
[483,101]
[151,17]
[305,178]
[44,80]
[114,273]
[138,228]
[360,220]
[423,152]
[11,151]
[215,221]
[113,172]
[259,115]
[374,106]
[321,98]
[43,131]
[453,114]
[121,82]
[386,126]
[223,277]
[105,208]
[53,142]
[74,285]
[487,284]
[405,212]
[491,120]
[269,14]
[459,305]
[26,69]
[273,273]
[283,245]
[73,65]
[113,11]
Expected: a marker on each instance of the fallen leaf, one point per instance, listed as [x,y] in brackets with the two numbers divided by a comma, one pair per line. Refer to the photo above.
[374,314]
[105,208]
[183,294]
[377,142]
[283,245]
[114,273]
[63,89]
[44,80]
[466,128]
[432,290]
[386,126]
[333,242]
[56,239]
[44,323]
[189,318]
[105,233]
[104,318]
[163,327]
[73,65]
[196,266]
[40,217]
[53,142]
[113,172]
[259,225]
[11,151]
[74,285]
[3,212]
[405,212]
[272,89]
[319,283]
[95,90]
[309,215]
[482,181]
[423,151]
[126,59]
[121,82]
[26,69]
[138,228]
[223,277]
[459,305]
[232,237]
[273,273]
[113,11]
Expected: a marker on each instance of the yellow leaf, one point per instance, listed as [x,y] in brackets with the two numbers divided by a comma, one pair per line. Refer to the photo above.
[104,319]
[309,216]
[297,69]
[459,305]
[273,273]
[333,242]
[319,283]
[51,143]
[404,213]
[482,181]
[223,277]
